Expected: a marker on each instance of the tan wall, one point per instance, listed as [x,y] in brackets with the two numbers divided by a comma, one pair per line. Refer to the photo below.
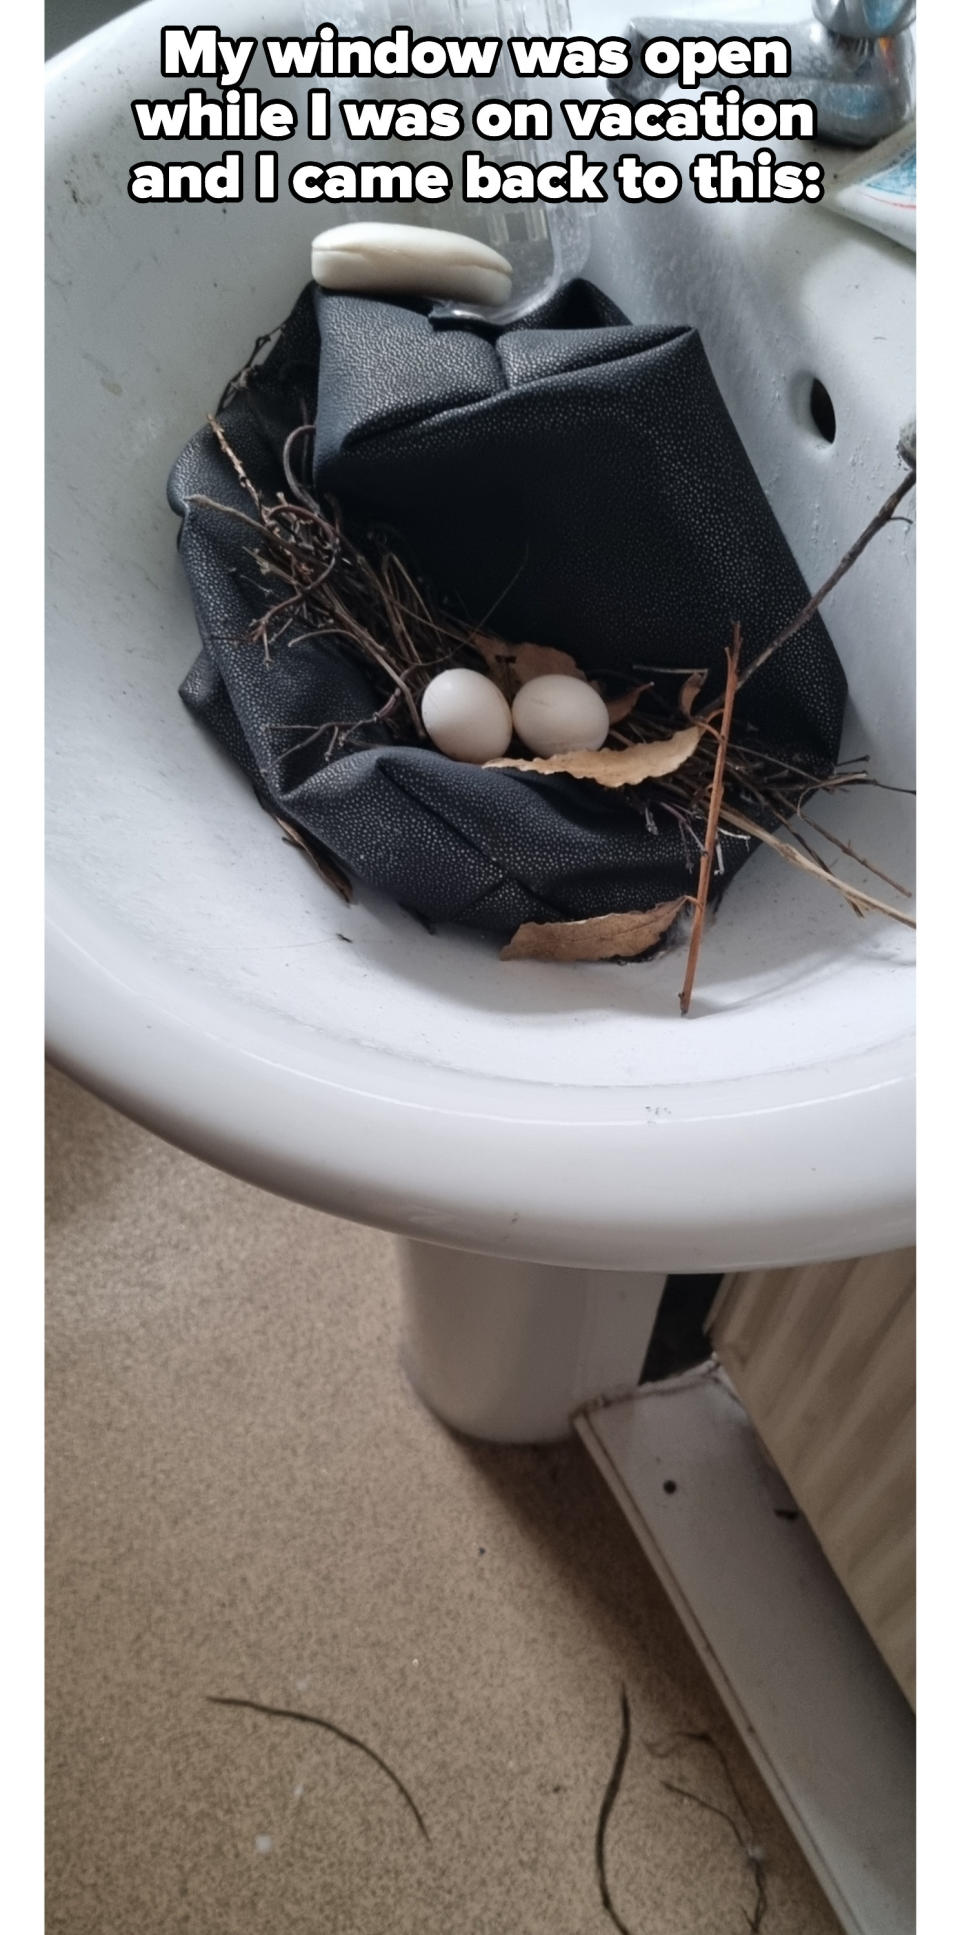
[823,1361]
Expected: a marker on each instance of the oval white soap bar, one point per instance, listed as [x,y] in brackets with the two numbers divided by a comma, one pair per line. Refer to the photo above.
[467,716]
[558,714]
[407,260]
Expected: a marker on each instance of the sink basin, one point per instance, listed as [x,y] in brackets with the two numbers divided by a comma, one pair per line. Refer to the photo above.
[201,975]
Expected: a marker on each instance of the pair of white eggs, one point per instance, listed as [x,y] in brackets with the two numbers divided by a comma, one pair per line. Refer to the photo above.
[468,718]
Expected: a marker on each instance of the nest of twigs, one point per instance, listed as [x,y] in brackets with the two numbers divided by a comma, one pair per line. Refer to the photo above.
[321,580]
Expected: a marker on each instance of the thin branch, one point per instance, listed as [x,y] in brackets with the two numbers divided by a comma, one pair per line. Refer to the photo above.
[752,1854]
[229,510]
[242,378]
[861,860]
[234,460]
[713,821]
[675,671]
[849,558]
[753,1860]
[855,895]
[299,490]
[816,782]
[329,1726]
[785,814]
[606,1809]
[304,588]
[698,1737]
[483,622]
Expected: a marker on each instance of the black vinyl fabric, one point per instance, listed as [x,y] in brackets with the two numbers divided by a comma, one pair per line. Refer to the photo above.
[578,474]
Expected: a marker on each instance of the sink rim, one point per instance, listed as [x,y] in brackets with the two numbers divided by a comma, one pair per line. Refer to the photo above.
[473,1161]
[483,1164]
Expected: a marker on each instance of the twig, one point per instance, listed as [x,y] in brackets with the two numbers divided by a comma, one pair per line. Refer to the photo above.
[228,510]
[849,558]
[785,814]
[862,861]
[241,380]
[299,490]
[816,782]
[501,595]
[305,588]
[855,895]
[234,460]
[606,1809]
[675,671]
[329,1726]
[713,821]
[753,1855]
[753,1860]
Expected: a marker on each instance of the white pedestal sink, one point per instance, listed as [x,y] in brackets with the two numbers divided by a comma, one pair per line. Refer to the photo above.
[203,978]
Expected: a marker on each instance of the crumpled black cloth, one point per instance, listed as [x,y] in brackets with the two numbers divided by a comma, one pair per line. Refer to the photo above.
[576,474]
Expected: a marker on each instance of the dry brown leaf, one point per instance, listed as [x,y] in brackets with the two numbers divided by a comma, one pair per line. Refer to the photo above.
[537,661]
[511,666]
[691,691]
[607,767]
[622,707]
[499,659]
[603,938]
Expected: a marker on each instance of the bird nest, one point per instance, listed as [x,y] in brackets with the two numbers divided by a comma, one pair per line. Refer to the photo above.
[324,579]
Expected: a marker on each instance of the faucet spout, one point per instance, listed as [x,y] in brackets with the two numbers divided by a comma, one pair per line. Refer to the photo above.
[863,87]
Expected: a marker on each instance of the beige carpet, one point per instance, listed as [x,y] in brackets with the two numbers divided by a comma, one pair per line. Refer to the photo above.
[245,1499]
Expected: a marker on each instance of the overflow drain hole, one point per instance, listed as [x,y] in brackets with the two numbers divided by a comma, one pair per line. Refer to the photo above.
[822,412]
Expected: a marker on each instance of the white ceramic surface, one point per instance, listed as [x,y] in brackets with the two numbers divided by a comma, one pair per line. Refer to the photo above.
[508,1351]
[203,978]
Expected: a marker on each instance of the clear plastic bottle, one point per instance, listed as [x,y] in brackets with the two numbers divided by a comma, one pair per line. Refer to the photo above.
[545,243]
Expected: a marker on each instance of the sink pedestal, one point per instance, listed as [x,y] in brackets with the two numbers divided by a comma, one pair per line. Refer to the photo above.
[508,1351]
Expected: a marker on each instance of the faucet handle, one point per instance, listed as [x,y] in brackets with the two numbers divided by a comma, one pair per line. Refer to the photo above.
[865,19]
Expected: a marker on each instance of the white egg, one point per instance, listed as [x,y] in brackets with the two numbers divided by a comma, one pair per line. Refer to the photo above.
[467,716]
[558,714]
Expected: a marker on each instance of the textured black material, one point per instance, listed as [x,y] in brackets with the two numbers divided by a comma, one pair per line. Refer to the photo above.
[580,475]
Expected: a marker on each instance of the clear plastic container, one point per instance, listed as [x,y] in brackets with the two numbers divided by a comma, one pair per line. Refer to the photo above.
[544,243]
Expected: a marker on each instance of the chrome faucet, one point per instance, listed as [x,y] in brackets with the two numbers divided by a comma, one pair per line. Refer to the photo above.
[854,60]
